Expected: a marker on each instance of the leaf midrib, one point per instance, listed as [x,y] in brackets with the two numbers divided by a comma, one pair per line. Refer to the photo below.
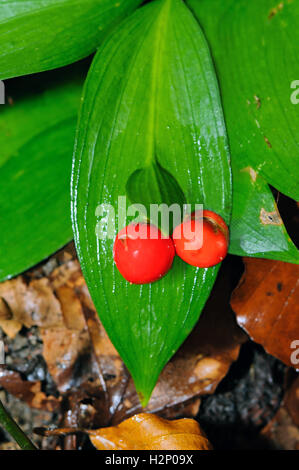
[161,27]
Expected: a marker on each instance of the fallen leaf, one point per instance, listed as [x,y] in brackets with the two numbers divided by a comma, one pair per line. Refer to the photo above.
[71,308]
[282,432]
[150,432]
[292,401]
[32,304]
[266,304]
[52,305]
[62,348]
[9,446]
[27,391]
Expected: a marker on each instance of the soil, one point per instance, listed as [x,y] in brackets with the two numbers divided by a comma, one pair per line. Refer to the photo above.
[244,402]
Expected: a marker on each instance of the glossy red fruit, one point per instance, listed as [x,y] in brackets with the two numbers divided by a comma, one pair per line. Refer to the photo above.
[202,247]
[141,254]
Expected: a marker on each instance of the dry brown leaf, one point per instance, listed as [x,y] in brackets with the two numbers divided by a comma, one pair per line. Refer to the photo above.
[71,308]
[266,303]
[32,304]
[62,348]
[150,432]
[292,402]
[9,446]
[52,305]
[282,431]
[29,392]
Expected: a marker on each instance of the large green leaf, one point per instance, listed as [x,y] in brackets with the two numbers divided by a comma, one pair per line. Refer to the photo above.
[37,35]
[249,43]
[151,124]
[36,141]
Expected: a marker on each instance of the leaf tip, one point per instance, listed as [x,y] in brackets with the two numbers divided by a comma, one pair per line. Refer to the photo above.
[144,399]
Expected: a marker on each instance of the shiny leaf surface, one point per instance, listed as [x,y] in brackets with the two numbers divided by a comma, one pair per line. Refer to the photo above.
[42,35]
[36,141]
[163,113]
[250,42]
[150,432]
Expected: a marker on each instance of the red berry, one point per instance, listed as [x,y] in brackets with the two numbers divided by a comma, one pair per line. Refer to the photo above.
[141,254]
[202,248]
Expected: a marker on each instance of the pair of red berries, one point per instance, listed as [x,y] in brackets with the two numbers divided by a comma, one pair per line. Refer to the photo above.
[143,255]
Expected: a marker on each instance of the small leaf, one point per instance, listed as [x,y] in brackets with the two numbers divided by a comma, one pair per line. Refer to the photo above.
[256,227]
[249,45]
[37,138]
[150,432]
[160,120]
[155,185]
[44,35]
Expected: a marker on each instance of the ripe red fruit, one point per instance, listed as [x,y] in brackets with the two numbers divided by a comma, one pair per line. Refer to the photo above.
[202,248]
[141,254]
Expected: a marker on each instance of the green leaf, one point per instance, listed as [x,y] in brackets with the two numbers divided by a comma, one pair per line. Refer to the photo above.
[249,46]
[151,105]
[256,227]
[155,185]
[45,34]
[37,138]
[254,46]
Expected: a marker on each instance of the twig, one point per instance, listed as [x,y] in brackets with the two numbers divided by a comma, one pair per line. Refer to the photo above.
[14,430]
[59,431]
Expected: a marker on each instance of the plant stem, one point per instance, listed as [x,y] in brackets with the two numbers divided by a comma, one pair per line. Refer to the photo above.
[14,430]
